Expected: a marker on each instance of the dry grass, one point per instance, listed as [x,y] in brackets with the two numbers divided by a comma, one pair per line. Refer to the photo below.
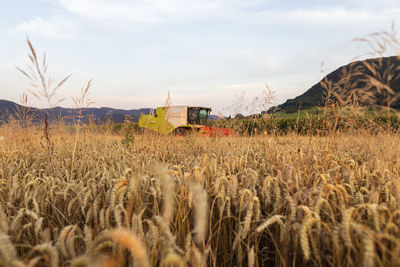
[291,200]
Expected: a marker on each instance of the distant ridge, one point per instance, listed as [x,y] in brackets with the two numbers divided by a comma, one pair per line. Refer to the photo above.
[100,115]
[384,69]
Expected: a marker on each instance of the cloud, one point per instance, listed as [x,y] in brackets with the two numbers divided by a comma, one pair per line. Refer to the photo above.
[332,15]
[138,15]
[317,16]
[100,9]
[139,11]
[57,27]
[156,11]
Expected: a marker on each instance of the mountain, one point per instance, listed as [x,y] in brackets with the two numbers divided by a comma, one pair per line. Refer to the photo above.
[9,108]
[69,115]
[100,115]
[368,82]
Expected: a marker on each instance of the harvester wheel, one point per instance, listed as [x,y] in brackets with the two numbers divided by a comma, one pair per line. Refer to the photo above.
[182,131]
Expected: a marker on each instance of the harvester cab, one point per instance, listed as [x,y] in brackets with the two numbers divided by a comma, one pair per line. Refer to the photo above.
[180,120]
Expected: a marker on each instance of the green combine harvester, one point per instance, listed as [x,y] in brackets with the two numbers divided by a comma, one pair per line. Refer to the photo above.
[180,120]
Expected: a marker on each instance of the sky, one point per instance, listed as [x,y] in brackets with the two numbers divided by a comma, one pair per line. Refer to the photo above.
[204,52]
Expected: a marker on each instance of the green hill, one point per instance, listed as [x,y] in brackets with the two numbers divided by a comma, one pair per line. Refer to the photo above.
[369,82]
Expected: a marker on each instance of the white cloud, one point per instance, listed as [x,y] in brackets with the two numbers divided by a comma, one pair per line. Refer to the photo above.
[140,11]
[165,10]
[152,11]
[332,15]
[135,15]
[100,9]
[317,17]
[57,27]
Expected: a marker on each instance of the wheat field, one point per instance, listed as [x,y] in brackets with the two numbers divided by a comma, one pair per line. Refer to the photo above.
[88,199]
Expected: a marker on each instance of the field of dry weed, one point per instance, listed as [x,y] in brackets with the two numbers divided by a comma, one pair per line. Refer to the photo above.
[90,200]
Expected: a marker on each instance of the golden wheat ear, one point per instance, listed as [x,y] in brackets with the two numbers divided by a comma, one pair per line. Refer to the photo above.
[127,239]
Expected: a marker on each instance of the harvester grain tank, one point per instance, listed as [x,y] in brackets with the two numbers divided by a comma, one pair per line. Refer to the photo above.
[180,120]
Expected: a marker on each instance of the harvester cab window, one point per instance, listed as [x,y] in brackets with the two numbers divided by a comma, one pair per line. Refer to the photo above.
[193,115]
[197,116]
[203,114]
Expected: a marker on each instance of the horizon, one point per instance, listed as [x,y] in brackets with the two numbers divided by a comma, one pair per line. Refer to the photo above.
[203,53]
